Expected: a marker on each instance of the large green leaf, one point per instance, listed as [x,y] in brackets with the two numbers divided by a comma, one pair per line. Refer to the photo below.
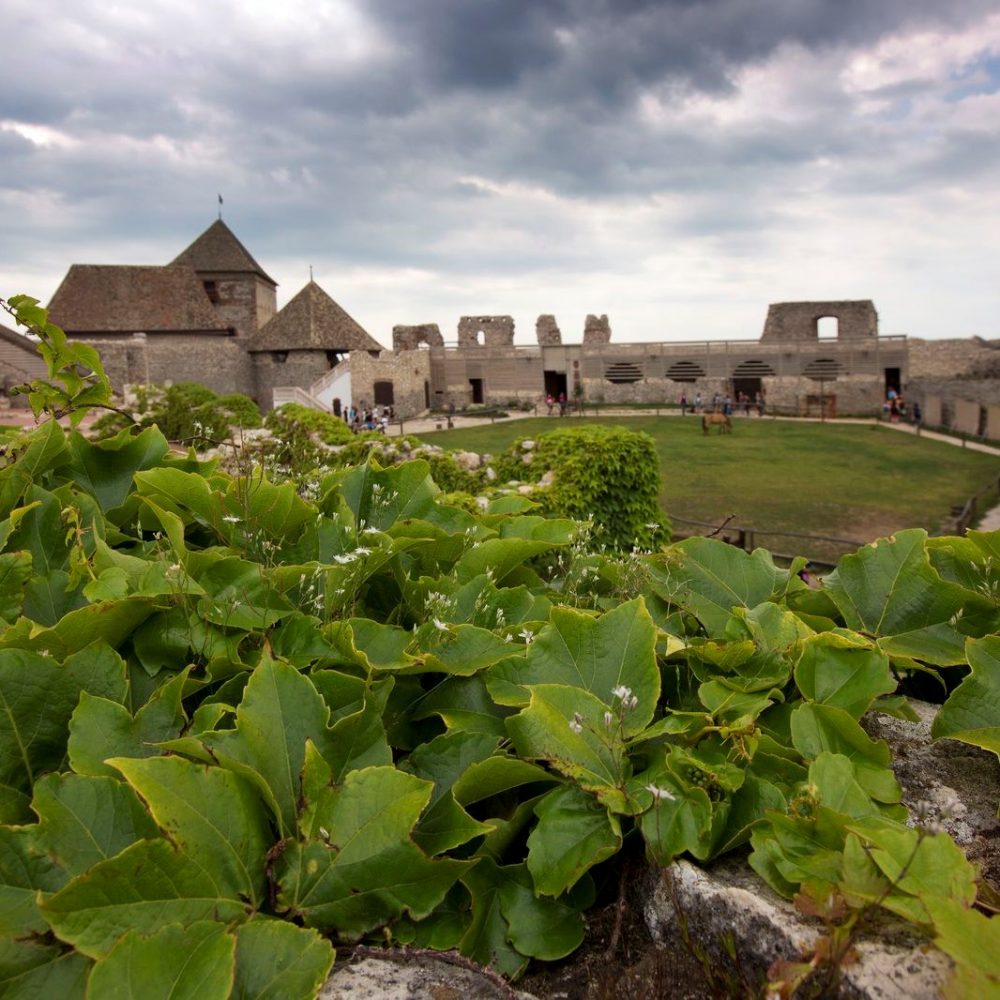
[710,579]
[29,456]
[849,674]
[210,813]
[84,819]
[573,834]
[510,923]
[15,572]
[889,588]
[280,710]
[145,888]
[566,727]
[239,596]
[105,468]
[31,970]
[276,960]
[101,728]
[361,868]
[602,656]
[195,962]
[380,497]
[972,712]
[24,872]
[444,760]
[498,556]
[37,698]
[816,728]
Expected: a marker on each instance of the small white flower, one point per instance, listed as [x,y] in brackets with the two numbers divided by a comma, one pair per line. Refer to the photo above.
[344,558]
[652,525]
[609,719]
[361,551]
[440,625]
[661,793]
[622,692]
[527,635]
[576,723]
[230,518]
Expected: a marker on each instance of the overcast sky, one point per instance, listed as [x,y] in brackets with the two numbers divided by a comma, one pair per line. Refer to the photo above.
[676,164]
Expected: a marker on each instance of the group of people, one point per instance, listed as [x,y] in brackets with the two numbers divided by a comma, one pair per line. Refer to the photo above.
[723,404]
[552,401]
[896,410]
[368,419]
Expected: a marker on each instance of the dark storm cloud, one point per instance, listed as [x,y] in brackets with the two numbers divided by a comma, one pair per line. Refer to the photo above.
[602,50]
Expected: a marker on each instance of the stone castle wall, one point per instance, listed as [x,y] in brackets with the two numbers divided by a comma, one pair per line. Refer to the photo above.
[791,321]
[300,368]
[497,331]
[220,363]
[409,338]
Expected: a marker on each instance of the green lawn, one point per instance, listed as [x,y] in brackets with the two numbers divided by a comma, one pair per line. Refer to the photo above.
[849,481]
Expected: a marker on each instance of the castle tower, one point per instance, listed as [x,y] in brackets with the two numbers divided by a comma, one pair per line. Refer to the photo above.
[241,292]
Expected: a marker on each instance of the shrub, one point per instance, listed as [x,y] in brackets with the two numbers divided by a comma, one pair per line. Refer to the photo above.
[185,411]
[609,474]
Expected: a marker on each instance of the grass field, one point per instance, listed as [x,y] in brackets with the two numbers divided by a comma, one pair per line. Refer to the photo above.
[848,481]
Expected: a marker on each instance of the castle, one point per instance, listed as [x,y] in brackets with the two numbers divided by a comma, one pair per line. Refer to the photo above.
[211,316]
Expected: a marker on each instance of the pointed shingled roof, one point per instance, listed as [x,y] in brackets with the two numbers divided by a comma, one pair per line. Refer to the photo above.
[117,298]
[218,250]
[312,321]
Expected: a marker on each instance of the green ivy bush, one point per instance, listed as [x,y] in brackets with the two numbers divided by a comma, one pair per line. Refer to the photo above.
[607,474]
[184,411]
[240,727]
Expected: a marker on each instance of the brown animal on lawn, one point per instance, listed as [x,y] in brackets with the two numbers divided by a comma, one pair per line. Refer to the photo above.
[723,422]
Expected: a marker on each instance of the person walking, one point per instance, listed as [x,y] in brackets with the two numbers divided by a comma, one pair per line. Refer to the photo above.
[684,404]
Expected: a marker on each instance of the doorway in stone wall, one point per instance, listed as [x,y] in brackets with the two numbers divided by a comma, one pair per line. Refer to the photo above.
[892,380]
[555,383]
[476,385]
[384,395]
[751,386]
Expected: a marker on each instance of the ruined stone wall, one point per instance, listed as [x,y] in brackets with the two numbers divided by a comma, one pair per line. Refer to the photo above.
[300,368]
[221,363]
[790,321]
[497,331]
[409,338]
[951,371]
[547,331]
[970,357]
[597,329]
[408,372]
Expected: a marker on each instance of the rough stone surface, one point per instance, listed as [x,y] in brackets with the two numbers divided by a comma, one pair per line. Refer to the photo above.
[418,978]
[547,331]
[790,321]
[597,329]
[468,460]
[946,782]
[409,338]
[497,331]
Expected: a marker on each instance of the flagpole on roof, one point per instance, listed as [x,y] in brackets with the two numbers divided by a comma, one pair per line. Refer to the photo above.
[220,207]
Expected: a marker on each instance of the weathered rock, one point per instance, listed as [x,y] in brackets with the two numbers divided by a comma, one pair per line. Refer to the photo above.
[947,783]
[468,460]
[548,479]
[597,329]
[491,474]
[528,445]
[416,978]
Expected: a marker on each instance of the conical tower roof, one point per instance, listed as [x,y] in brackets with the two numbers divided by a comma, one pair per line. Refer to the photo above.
[218,250]
[312,321]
